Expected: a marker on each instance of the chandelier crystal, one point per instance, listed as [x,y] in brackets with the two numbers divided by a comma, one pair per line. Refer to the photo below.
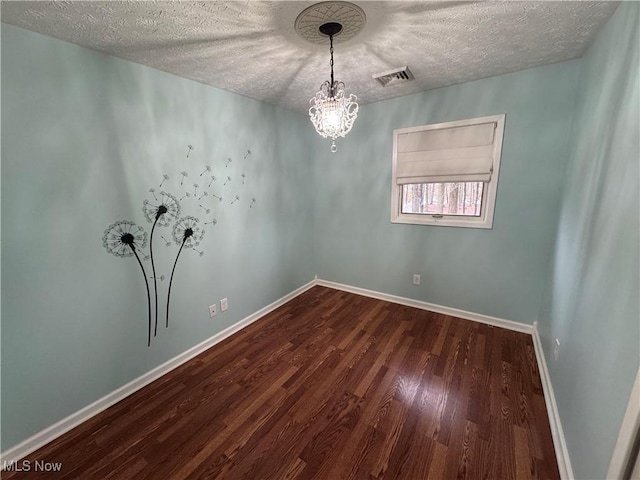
[332,112]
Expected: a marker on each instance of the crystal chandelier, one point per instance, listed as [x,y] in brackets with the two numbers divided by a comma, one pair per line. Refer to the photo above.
[332,112]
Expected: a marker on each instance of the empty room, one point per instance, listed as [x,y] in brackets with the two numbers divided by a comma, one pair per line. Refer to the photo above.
[334,240]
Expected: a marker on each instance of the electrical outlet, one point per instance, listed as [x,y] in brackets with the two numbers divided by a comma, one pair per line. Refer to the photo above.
[416,279]
[556,349]
[213,310]
[224,304]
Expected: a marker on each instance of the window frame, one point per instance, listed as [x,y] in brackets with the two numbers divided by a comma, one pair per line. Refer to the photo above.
[485,220]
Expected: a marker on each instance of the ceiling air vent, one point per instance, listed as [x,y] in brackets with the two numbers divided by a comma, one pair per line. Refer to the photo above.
[392,77]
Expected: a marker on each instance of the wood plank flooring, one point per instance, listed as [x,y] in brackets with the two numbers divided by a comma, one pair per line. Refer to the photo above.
[329,386]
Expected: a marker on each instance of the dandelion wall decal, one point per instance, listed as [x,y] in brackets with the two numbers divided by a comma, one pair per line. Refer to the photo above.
[226,181]
[186,195]
[161,278]
[213,179]
[186,233]
[152,191]
[123,239]
[189,148]
[212,222]
[162,214]
[206,169]
[206,210]
[184,174]
[214,195]
[247,154]
[204,194]
[167,242]
[228,162]
[253,200]
[164,179]
[195,189]
[200,253]
[236,199]
[243,177]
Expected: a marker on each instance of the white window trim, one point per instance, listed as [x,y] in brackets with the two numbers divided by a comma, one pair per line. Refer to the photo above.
[485,220]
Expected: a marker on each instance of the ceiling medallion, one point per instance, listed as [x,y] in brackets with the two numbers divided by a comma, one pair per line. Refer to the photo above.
[349,16]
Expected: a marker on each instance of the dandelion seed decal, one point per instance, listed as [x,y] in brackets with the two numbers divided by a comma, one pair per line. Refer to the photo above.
[207,168]
[247,154]
[204,194]
[186,195]
[124,239]
[212,222]
[189,148]
[228,162]
[152,191]
[186,233]
[213,179]
[166,242]
[161,278]
[162,214]
[200,253]
[214,195]
[227,181]
[184,174]
[164,179]
[195,189]
[236,199]
[253,200]
[206,210]
[243,177]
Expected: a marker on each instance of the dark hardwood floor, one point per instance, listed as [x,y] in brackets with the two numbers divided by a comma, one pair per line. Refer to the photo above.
[329,386]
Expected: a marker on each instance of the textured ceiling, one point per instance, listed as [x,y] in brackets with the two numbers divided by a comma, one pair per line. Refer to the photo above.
[251,47]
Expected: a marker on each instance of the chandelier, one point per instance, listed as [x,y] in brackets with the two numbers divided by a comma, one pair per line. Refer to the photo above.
[332,112]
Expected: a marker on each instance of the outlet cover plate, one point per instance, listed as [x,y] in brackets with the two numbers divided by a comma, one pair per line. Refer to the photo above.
[416,279]
[213,310]
[224,305]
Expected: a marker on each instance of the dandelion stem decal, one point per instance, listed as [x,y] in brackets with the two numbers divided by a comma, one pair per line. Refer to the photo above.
[186,233]
[162,214]
[207,168]
[122,239]
[213,179]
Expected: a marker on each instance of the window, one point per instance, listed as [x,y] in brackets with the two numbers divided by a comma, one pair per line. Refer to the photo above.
[447,173]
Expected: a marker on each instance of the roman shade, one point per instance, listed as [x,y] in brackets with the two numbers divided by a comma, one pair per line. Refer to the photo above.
[455,154]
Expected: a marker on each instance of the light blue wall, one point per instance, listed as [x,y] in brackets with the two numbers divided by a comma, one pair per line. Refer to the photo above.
[591,303]
[84,136]
[496,272]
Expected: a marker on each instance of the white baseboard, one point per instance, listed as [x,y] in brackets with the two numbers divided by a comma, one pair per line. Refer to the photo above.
[432,307]
[54,431]
[623,451]
[559,441]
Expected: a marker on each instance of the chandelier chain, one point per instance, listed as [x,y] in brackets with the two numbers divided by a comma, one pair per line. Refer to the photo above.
[331,51]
